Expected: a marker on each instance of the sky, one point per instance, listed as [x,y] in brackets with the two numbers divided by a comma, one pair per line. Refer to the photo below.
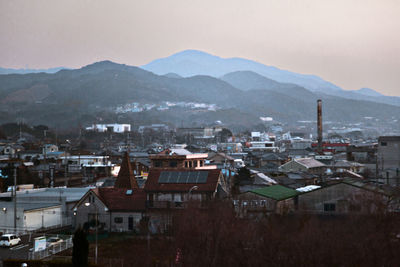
[352,43]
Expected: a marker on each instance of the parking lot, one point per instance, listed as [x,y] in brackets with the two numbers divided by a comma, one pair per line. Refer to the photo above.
[20,251]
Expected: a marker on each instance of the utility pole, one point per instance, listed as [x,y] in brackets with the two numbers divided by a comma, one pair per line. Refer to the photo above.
[15,198]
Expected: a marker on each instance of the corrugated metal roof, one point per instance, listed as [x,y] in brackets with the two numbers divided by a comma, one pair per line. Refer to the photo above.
[276,192]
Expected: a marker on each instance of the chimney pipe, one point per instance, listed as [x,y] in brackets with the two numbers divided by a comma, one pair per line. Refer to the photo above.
[319,110]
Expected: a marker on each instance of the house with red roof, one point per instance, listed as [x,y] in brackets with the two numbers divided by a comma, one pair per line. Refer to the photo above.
[111,209]
[169,190]
[114,209]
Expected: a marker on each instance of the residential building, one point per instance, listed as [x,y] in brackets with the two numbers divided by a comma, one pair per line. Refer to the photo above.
[388,159]
[349,196]
[180,159]
[115,128]
[40,208]
[266,200]
[111,209]
[308,165]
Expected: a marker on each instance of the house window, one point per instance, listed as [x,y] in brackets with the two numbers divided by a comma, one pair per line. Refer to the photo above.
[383,143]
[157,163]
[173,164]
[118,220]
[329,207]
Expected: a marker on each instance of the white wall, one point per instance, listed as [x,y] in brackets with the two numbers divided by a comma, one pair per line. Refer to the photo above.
[7,219]
[43,218]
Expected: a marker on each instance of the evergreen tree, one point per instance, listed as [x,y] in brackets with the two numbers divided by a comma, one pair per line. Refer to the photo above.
[80,250]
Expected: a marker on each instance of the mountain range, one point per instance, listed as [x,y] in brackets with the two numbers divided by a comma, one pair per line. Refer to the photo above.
[25,71]
[91,93]
[193,62]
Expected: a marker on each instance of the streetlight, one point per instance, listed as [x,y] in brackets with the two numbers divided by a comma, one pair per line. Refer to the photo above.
[87,204]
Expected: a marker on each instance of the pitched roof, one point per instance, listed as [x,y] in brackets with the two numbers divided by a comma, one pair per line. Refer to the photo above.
[382,189]
[223,155]
[154,184]
[261,178]
[117,199]
[276,192]
[345,163]
[125,178]
[310,162]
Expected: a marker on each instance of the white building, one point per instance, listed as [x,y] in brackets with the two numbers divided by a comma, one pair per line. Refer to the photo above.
[39,208]
[116,128]
[30,216]
[263,146]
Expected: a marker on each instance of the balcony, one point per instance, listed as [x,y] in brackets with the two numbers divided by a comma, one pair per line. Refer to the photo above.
[166,204]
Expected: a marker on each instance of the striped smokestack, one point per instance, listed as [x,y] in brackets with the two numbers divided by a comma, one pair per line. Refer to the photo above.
[319,111]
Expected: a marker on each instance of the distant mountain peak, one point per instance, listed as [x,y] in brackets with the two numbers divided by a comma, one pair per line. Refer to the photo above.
[194,62]
[102,63]
[192,52]
[173,75]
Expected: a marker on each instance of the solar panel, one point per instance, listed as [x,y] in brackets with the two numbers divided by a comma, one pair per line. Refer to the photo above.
[163,178]
[174,177]
[202,178]
[190,177]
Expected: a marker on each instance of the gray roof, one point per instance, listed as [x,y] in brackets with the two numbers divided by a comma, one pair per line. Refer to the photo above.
[272,156]
[137,154]
[309,163]
[71,194]
[345,163]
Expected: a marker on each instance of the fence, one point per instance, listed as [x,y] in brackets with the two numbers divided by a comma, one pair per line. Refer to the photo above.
[53,249]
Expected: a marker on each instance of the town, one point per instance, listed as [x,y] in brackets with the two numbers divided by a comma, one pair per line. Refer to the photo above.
[199,133]
[140,187]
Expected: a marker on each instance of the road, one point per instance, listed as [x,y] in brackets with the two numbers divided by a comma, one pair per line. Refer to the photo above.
[18,252]
[21,251]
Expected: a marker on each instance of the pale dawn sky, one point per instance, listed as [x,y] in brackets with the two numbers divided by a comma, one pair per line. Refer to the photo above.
[352,43]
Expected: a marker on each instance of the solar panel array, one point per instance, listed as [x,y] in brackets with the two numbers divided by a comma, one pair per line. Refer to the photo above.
[193,177]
